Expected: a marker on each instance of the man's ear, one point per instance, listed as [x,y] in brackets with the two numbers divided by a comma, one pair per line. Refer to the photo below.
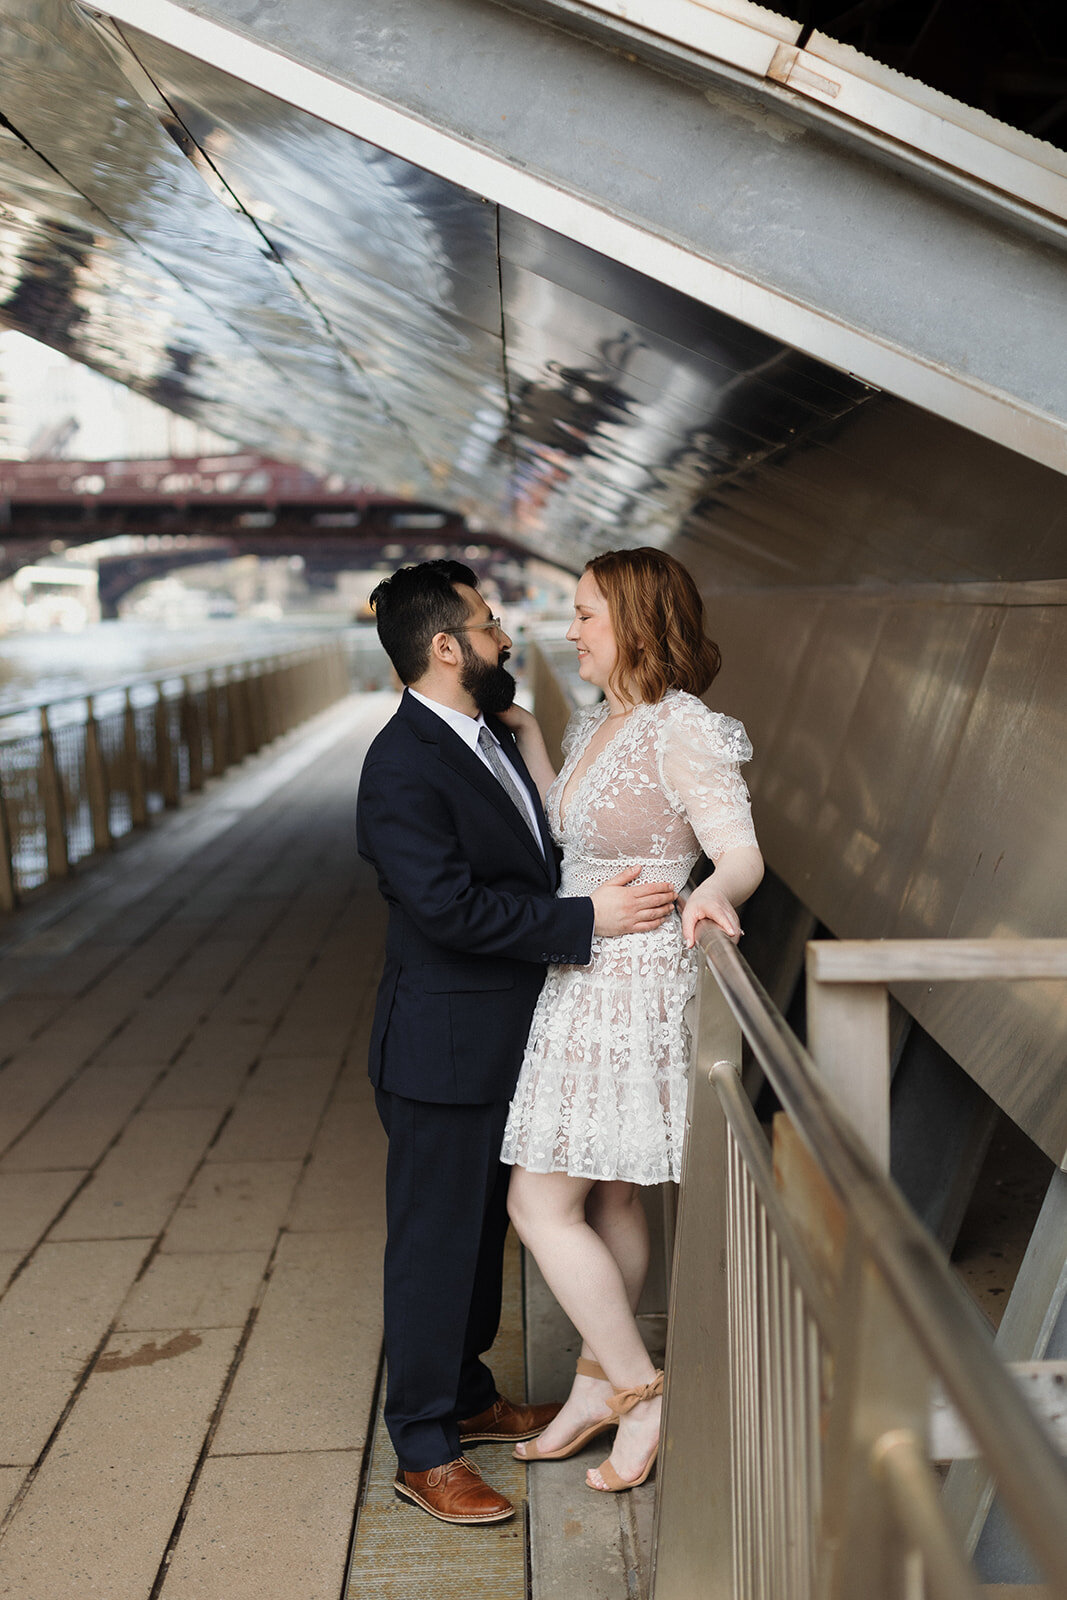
[444,647]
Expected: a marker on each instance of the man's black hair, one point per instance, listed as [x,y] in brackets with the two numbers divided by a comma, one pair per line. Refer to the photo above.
[413,605]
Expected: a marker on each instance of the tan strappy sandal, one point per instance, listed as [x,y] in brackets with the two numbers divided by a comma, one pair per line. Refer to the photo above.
[586,1369]
[621,1402]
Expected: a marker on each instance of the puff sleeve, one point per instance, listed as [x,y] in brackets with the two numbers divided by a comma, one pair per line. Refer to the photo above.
[700,756]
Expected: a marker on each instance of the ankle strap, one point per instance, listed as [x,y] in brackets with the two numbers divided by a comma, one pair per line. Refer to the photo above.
[624,1400]
[590,1369]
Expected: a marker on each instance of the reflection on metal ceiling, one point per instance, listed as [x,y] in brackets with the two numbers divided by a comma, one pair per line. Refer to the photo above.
[325,301]
[301,290]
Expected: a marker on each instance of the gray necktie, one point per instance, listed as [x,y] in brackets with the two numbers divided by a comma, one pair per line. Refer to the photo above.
[488,746]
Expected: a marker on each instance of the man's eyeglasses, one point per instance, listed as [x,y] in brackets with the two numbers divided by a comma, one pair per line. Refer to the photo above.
[475,627]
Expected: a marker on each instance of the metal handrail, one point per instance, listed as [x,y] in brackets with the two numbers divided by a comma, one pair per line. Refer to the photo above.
[1030,1474]
[140,680]
[70,788]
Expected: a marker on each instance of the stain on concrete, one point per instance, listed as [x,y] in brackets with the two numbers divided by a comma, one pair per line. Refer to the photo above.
[150,1353]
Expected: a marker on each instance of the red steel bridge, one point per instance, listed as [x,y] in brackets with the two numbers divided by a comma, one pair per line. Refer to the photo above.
[186,511]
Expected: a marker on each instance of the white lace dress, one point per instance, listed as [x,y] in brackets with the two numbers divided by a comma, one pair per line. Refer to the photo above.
[602,1088]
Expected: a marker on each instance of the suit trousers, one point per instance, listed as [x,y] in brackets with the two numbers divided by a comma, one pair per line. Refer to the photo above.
[446,1216]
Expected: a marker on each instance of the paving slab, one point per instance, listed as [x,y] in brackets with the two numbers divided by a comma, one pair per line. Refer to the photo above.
[344,1185]
[77,1129]
[75,971]
[32,1078]
[30,1201]
[212,1065]
[262,996]
[143,969]
[271,1127]
[212,1083]
[11,1481]
[235,1205]
[267,1528]
[307,1377]
[100,1511]
[195,1291]
[158,1030]
[311,1071]
[209,967]
[22,1016]
[141,1179]
[318,1033]
[51,1320]
[87,1023]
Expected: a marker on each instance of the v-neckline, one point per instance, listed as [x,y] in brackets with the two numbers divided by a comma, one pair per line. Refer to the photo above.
[576,781]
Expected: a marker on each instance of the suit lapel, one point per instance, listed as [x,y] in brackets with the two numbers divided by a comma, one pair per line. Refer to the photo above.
[463,761]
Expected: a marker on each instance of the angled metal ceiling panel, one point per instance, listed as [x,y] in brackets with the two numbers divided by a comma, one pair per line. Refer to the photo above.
[400,266]
[875,224]
[307,292]
[614,383]
[128,254]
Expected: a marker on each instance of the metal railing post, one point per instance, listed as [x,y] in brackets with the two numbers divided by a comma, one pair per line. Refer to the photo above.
[96,781]
[247,695]
[215,696]
[237,746]
[287,695]
[55,818]
[134,766]
[9,897]
[193,734]
[264,696]
[166,755]
[880,1386]
[693,1538]
[257,721]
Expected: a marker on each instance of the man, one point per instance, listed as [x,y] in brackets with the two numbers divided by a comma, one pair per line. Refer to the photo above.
[450,819]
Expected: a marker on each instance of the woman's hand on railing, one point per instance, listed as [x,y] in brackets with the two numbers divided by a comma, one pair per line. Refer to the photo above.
[736,875]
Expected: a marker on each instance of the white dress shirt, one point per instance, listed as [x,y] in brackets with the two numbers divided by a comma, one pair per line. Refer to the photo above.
[468,729]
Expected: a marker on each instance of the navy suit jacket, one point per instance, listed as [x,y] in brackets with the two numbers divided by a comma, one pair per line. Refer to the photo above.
[473,914]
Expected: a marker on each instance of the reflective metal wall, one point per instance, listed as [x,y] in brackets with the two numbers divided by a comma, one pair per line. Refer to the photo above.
[909,782]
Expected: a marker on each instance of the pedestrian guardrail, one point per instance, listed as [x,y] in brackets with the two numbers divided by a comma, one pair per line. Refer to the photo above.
[80,771]
[820,1345]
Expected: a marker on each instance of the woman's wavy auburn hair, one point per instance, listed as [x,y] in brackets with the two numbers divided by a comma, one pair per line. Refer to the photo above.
[658,619]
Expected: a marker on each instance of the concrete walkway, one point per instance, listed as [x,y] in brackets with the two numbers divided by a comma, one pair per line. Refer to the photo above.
[191,1223]
[190,1198]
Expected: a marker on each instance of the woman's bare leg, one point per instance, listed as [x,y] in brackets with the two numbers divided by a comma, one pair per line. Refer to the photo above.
[615,1213]
[598,1293]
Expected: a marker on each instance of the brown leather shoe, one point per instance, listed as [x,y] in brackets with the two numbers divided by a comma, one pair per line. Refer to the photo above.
[506,1420]
[456,1492]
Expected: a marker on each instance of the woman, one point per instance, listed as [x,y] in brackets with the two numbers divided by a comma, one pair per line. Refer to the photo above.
[650,776]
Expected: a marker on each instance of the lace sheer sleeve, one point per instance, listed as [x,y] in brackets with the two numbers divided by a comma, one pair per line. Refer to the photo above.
[700,754]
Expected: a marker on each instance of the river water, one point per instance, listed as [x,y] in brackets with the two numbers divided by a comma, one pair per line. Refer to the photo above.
[49,666]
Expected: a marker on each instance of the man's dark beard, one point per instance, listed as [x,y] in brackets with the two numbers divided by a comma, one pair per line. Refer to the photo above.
[491,688]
